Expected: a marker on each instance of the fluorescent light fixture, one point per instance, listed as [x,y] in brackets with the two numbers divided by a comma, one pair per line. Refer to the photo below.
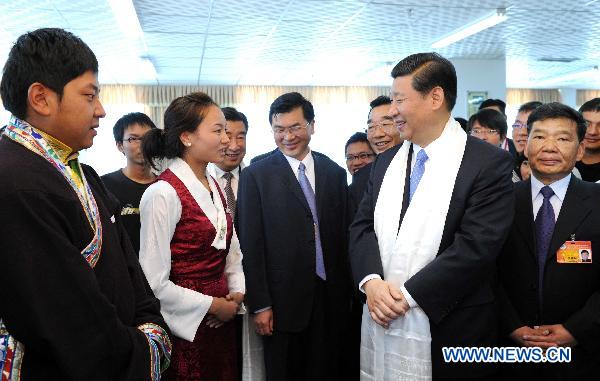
[593,72]
[147,68]
[477,26]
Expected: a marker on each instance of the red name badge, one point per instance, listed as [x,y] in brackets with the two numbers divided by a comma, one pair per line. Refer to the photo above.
[575,252]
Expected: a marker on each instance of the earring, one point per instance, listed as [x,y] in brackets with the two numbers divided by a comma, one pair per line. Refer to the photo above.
[188,144]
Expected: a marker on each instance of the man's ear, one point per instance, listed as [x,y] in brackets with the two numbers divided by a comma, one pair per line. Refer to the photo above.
[437,97]
[120,147]
[40,99]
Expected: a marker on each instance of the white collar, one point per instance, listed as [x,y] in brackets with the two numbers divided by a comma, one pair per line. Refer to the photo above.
[295,163]
[218,172]
[559,187]
[211,206]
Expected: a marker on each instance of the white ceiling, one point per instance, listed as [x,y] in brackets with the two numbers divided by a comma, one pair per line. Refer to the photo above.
[315,42]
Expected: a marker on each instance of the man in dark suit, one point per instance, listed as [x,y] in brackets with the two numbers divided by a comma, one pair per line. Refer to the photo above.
[262,156]
[454,288]
[292,228]
[549,295]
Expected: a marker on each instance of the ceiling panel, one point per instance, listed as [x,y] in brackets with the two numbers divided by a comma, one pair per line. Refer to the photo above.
[302,42]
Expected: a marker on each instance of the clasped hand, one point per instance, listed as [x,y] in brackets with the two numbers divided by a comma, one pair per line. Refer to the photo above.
[224,309]
[544,336]
[385,302]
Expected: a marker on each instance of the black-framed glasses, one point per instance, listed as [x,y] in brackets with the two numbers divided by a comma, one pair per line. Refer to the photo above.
[361,156]
[133,139]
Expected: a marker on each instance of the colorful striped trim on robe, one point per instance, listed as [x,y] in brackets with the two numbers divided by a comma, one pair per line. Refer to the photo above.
[160,349]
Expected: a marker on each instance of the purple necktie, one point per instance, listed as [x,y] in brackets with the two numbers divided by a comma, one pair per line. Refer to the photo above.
[309,194]
[544,227]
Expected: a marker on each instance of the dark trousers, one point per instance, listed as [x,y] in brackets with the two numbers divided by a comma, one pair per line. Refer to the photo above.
[311,354]
[239,325]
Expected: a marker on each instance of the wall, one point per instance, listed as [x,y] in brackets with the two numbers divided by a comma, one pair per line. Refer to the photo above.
[478,75]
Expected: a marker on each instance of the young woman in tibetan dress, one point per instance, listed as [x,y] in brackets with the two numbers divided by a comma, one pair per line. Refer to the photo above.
[189,250]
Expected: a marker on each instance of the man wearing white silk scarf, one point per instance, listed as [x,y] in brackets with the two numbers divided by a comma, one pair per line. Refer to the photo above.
[426,260]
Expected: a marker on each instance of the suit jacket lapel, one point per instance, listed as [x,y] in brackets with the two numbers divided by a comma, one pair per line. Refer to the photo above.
[524,220]
[289,179]
[320,183]
[573,210]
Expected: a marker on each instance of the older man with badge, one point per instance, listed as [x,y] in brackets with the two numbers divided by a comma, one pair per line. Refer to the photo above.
[550,282]
[426,260]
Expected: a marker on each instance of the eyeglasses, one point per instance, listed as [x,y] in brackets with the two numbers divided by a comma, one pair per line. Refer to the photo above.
[484,131]
[361,156]
[133,139]
[386,126]
[518,124]
[292,129]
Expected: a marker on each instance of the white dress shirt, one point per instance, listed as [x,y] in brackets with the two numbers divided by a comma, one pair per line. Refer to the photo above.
[160,209]
[560,190]
[409,299]
[218,173]
[309,164]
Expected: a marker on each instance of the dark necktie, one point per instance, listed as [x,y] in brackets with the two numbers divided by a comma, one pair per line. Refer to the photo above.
[229,194]
[309,194]
[544,227]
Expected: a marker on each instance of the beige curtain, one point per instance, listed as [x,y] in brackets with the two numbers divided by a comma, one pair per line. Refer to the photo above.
[520,96]
[585,95]
[157,98]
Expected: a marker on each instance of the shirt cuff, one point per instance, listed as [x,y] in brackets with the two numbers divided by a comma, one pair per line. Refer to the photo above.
[411,302]
[366,279]
[262,310]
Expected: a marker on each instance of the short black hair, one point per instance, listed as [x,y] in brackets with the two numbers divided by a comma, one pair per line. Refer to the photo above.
[289,101]
[357,138]
[555,110]
[379,101]
[430,70]
[592,105]
[494,103]
[585,251]
[50,56]
[235,116]
[529,106]
[490,118]
[128,120]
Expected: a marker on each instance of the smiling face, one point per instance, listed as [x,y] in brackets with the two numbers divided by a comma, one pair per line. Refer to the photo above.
[236,150]
[381,132]
[292,133]
[208,142]
[419,117]
[358,154]
[553,148]
[76,115]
